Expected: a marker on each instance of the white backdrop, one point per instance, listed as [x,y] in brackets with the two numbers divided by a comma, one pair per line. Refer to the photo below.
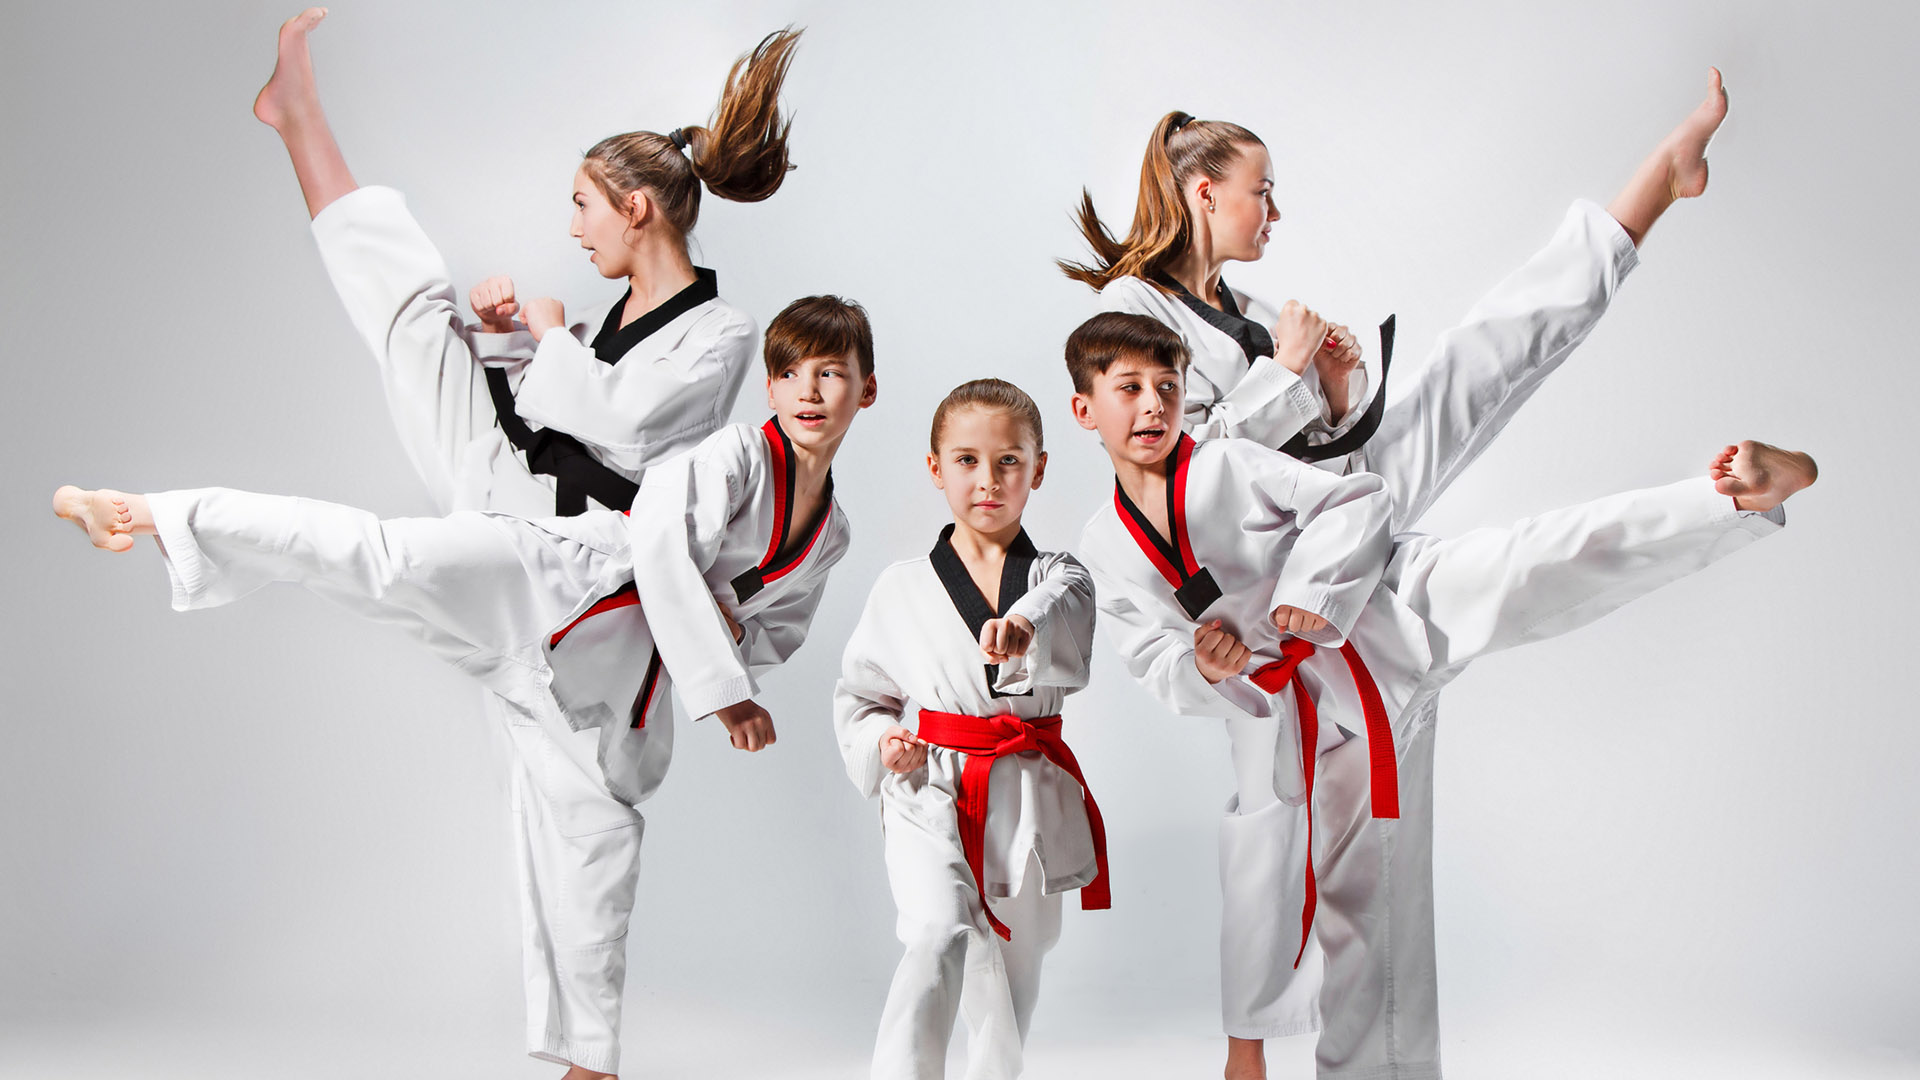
[269,840]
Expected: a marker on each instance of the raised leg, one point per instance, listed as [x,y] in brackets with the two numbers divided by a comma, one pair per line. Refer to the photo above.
[1480,372]
[477,589]
[290,104]
[1677,168]
[399,294]
[1492,589]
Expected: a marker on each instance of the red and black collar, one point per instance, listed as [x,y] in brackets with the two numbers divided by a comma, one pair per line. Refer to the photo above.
[1193,585]
[751,581]
[967,598]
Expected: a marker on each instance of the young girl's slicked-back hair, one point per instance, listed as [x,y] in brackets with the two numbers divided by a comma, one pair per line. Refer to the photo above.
[993,395]
[1162,226]
[741,154]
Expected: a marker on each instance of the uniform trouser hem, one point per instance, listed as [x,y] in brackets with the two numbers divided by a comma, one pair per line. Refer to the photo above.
[1420,1070]
[546,1045]
[1275,1031]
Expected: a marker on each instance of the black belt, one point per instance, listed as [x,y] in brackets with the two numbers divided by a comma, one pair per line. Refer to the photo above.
[576,473]
[1362,430]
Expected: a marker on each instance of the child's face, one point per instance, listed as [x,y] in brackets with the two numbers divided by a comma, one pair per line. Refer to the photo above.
[987,466]
[1135,406]
[817,399]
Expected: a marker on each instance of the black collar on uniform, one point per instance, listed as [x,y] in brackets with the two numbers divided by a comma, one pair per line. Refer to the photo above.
[966,596]
[1254,340]
[615,341]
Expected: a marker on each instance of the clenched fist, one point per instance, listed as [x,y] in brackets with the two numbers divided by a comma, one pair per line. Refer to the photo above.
[1218,654]
[1003,639]
[493,301]
[543,315]
[1291,620]
[1298,336]
[901,751]
[748,725]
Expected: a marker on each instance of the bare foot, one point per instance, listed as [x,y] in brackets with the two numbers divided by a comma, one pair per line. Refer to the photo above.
[289,95]
[103,515]
[1760,477]
[575,1072]
[1686,146]
[1246,1059]
[1677,168]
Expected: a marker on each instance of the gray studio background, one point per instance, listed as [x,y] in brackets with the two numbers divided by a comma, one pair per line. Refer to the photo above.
[270,840]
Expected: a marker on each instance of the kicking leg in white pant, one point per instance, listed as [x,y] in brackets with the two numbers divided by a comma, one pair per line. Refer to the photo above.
[481,591]
[1487,590]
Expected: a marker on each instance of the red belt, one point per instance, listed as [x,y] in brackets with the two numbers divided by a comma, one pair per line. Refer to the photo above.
[983,739]
[1386,774]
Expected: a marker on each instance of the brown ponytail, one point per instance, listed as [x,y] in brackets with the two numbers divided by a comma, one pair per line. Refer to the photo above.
[741,155]
[1162,226]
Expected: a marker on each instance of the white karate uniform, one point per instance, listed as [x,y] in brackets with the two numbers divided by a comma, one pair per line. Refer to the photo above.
[678,367]
[557,618]
[1477,376]
[678,370]
[917,647]
[1418,609]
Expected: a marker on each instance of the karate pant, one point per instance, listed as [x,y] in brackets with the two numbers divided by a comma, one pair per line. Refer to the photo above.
[577,847]
[953,961]
[1480,372]
[1488,590]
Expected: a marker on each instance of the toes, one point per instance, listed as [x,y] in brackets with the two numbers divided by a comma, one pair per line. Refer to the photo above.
[119,542]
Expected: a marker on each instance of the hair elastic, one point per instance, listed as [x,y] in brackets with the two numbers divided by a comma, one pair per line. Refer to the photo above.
[679,139]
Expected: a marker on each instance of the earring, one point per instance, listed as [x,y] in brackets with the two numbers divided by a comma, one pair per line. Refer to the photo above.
[1209,204]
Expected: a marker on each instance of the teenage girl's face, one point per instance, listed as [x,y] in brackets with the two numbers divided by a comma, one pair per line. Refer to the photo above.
[604,231]
[987,465]
[1135,406]
[817,399]
[1243,211]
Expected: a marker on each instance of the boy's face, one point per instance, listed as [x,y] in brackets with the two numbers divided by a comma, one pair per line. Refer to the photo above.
[987,466]
[1135,406]
[817,398]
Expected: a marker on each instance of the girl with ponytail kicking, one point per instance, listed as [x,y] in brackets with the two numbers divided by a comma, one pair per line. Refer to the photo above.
[519,416]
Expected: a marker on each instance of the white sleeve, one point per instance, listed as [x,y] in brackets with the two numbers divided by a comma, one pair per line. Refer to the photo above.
[676,526]
[631,407]
[1343,546]
[1325,428]
[866,701]
[501,350]
[1269,405]
[1156,642]
[1060,607]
